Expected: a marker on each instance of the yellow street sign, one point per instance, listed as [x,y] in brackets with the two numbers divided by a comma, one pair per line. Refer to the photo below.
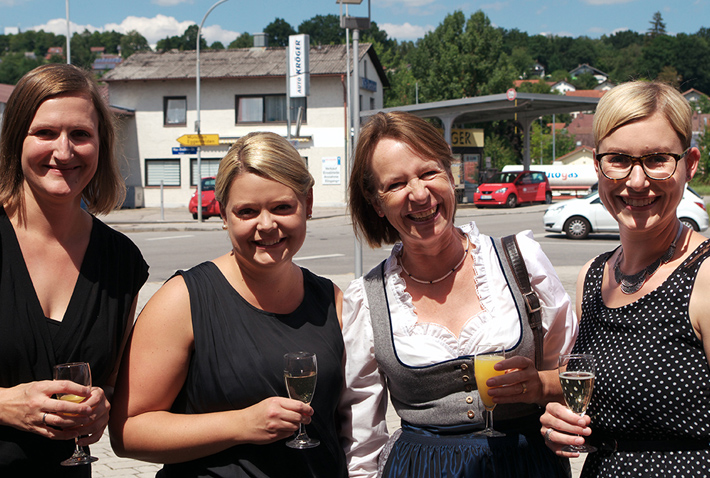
[199,139]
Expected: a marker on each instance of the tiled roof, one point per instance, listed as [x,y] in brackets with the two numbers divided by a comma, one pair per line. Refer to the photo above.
[586,93]
[5,91]
[236,63]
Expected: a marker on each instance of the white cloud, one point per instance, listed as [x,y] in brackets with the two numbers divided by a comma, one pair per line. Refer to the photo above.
[58,26]
[215,33]
[169,3]
[406,31]
[153,29]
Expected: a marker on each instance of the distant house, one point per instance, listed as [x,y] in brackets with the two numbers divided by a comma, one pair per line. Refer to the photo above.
[5,91]
[563,87]
[699,122]
[581,156]
[585,94]
[54,51]
[581,128]
[538,70]
[585,68]
[242,90]
[693,96]
[106,62]
[605,86]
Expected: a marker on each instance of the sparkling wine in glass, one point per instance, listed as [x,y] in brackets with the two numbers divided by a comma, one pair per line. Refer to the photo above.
[488,356]
[577,379]
[80,373]
[300,373]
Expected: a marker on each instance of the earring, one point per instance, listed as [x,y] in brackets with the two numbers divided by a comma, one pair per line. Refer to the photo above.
[309,216]
[224,226]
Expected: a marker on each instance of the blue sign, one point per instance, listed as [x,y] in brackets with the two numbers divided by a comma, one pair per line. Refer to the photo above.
[185,150]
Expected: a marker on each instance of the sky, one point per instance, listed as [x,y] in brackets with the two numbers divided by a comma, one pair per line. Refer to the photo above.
[401,19]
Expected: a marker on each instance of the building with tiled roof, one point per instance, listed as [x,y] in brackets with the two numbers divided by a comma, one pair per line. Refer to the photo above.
[242,90]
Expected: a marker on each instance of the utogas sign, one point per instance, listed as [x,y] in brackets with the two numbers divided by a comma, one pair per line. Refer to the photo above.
[299,72]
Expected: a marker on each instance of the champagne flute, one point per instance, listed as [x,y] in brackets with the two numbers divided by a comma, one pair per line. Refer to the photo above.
[577,379]
[483,369]
[300,373]
[80,373]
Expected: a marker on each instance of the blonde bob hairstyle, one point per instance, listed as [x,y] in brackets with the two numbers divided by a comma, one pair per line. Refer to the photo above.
[106,190]
[420,136]
[267,155]
[637,100]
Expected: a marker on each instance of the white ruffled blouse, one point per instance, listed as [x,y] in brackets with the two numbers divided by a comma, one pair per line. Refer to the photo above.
[364,400]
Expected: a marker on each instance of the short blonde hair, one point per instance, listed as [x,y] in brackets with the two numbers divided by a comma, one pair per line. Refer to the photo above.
[267,155]
[106,190]
[637,100]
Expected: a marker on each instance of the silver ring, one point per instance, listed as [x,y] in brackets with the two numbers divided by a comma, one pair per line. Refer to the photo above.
[525,387]
[547,435]
[44,419]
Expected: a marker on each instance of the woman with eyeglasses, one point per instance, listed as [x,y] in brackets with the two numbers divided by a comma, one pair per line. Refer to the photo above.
[644,307]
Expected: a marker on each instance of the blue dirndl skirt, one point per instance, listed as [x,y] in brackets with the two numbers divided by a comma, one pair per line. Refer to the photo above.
[453,452]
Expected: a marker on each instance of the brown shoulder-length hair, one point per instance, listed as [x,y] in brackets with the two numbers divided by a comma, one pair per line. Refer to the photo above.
[106,190]
[421,137]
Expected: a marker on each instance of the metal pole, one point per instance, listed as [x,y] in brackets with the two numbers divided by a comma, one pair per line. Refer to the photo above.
[68,36]
[288,94]
[348,115]
[355,108]
[554,154]
[197,123]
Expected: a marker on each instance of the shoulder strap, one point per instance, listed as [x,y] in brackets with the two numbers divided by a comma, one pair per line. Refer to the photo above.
[516,268]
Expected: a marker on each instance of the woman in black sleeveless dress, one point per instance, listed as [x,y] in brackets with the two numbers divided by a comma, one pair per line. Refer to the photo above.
[644,307]
[201,389]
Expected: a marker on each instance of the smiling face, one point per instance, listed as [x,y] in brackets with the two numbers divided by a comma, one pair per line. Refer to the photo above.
[415,194]
[60,153]
[637,202]
[266,220]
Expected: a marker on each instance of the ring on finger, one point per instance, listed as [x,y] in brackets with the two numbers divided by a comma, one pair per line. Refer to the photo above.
[547,435]
[44,419]
[525,388]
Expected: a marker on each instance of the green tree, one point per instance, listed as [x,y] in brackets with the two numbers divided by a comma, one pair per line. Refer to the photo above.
[323,30]
[218,45]
[15,65]
[669,75]
[500,151]
[185,42]
[278,32]
[703,174]
[245,40]
[133,42]
[658,27]
[541,143]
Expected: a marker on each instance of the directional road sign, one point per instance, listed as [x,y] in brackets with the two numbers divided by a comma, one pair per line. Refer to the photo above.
[199,139]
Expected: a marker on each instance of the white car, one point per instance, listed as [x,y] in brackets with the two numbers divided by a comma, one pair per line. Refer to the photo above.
[577,218]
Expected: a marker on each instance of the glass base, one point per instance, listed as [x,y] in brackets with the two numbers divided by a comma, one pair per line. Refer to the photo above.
[579,448]
[302,443]
[489,432]
[79,459]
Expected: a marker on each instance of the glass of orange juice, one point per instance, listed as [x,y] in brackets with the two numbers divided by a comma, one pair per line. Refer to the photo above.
[485,359]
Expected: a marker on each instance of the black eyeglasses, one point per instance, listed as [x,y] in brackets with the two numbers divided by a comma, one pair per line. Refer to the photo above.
[657,166]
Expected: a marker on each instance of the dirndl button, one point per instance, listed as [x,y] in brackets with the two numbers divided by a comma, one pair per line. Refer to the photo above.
[469,399]
[470,414]
[465,378]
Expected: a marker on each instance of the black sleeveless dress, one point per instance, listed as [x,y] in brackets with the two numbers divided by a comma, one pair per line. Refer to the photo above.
[652,386]
[238,361]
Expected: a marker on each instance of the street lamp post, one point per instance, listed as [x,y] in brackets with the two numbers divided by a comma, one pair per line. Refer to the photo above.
[197,122]
[356,24]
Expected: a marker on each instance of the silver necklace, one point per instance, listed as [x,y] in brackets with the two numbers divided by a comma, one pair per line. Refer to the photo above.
[632,283]
[401,263]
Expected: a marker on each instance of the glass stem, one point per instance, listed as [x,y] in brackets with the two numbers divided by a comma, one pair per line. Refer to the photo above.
[489,419]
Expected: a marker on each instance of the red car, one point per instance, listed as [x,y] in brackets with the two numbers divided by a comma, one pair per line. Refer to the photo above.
[210,206]
[513,188]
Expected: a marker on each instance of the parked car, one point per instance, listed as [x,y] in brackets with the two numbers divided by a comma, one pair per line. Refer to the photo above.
[210,206]
[577,218]
[513,188]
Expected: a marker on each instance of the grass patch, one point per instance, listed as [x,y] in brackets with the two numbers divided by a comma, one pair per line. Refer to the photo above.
[701,188]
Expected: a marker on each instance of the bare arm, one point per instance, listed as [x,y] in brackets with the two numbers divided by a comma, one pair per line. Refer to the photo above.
[154,370]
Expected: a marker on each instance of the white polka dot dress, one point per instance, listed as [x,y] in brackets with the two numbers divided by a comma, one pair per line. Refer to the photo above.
[653,379]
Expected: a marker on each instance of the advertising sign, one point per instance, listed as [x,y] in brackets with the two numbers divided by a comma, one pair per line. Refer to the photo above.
[299,72]
[331,171]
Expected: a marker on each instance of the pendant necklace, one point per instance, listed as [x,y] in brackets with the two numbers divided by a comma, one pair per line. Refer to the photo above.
[632,283]
[401,264]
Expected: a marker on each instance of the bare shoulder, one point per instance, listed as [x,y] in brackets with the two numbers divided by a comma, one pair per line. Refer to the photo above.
[167,314]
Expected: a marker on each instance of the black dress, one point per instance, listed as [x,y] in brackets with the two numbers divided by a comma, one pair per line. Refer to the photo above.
[652,386]
[238,362]
[111,275]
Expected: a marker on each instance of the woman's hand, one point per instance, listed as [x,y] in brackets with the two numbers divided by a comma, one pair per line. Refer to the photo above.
[276,418]
[30,407]
[521,382]
[560,427]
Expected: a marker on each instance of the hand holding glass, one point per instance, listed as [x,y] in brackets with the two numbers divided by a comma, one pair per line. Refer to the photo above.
[300,373]
[577,379]
[483,369]
[80,373]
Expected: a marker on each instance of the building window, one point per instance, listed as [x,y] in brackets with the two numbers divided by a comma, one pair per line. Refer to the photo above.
[209,168]
[165,170]
[267,109]
[174,111]
[372,103]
